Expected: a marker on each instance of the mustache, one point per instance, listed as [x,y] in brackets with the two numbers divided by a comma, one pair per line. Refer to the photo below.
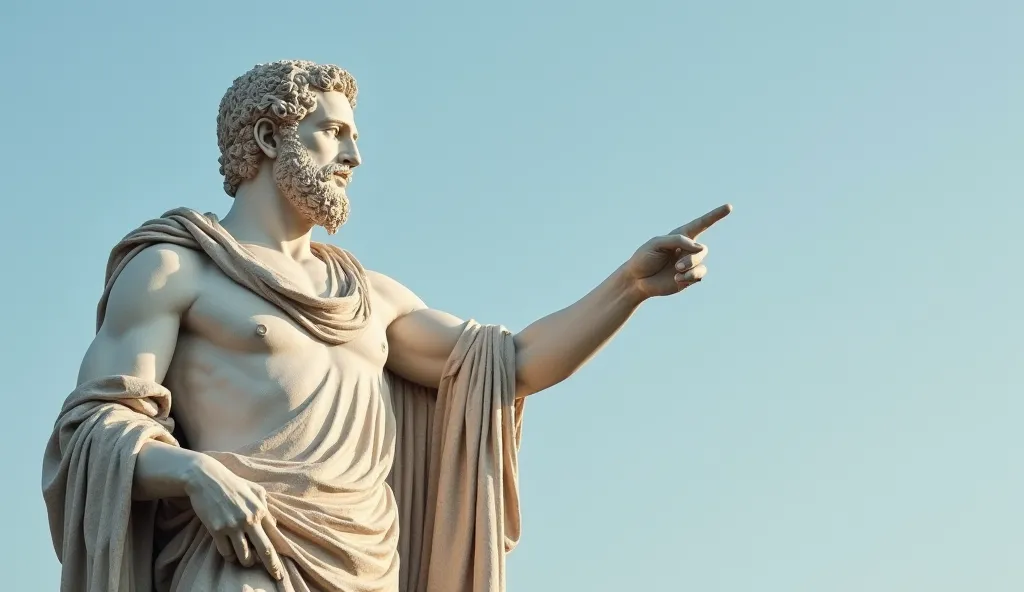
[330,170]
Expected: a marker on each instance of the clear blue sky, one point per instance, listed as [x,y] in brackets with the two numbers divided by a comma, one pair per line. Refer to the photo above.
[838,407]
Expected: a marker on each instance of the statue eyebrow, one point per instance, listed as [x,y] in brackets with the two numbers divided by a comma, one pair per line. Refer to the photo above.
[340,123]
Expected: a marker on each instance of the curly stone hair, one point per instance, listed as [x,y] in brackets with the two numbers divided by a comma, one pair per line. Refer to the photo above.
[283,91]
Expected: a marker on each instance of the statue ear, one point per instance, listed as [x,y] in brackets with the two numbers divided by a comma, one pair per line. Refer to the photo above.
[265,133]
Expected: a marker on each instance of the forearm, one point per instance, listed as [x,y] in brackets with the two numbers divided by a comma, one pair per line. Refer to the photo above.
[556,346]
[165,471]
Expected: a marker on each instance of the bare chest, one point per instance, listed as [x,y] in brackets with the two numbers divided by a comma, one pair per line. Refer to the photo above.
[234,319]
[243,367]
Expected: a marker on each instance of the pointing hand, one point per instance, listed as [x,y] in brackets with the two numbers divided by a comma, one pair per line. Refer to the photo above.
[670,263]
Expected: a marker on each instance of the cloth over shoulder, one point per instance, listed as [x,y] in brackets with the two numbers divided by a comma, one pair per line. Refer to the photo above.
[454,473]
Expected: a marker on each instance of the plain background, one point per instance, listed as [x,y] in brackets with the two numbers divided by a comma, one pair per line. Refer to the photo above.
[838,407]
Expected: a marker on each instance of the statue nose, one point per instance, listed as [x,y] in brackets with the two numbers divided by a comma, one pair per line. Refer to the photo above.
[350,158]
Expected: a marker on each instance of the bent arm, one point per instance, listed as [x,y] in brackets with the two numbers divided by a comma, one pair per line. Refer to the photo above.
[137,338]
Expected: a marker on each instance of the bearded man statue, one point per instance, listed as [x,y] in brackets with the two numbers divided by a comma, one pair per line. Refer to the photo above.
[329,431]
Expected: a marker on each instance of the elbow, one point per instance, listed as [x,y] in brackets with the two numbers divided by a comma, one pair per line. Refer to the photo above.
[525,389]
[535,374]
[524,380]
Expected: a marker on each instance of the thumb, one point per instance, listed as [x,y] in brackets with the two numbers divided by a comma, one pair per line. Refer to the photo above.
[669,243]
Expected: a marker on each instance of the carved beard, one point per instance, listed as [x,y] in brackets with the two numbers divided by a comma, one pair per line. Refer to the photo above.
[312,190]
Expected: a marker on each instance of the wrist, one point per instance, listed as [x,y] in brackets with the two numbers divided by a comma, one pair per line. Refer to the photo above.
[194,471]
[627,287]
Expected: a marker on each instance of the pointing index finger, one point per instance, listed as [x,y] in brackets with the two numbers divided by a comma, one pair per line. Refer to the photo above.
[696,227]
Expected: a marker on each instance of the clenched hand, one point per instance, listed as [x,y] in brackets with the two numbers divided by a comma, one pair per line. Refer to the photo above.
[668,264]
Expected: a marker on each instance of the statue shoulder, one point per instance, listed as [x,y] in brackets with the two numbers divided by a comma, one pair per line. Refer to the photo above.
[178,263]
[394,296]
[160,279]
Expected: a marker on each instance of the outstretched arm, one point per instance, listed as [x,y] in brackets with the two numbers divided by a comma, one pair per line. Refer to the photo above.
[556,346]
[547,352]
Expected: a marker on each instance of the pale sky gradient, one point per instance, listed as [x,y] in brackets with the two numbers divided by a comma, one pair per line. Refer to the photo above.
[837,408]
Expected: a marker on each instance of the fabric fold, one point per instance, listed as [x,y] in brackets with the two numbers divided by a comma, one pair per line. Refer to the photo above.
[438,513]
[103,539]
[334,320]
[456,469]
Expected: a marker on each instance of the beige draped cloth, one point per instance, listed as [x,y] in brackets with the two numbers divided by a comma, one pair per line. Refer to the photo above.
[449,493]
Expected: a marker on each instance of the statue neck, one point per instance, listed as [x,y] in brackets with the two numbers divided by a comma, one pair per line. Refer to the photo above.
[261,215]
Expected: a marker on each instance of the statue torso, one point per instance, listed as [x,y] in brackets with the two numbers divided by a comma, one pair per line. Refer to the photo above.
[242,368]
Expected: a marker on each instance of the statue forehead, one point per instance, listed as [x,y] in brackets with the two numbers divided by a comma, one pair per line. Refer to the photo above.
[331,106]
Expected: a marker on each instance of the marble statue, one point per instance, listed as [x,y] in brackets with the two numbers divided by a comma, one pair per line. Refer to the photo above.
[329,430]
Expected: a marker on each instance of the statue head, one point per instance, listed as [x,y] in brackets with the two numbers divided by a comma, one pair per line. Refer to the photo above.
[299,115]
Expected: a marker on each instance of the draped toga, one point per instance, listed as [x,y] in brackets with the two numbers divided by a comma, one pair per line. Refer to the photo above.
[429,505]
